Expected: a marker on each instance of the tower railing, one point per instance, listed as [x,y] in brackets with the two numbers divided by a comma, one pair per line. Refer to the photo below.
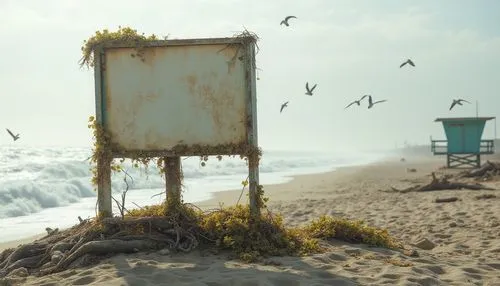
[440,147]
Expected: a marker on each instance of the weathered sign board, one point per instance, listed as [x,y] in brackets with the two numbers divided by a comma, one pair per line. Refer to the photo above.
[171,98]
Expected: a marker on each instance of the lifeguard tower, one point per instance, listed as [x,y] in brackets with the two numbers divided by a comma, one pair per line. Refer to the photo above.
[463,145]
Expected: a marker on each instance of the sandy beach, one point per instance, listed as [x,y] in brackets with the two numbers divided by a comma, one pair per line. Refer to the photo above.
[458,243]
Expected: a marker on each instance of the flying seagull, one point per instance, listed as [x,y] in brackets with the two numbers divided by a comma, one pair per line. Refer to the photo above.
[407,62]
[358,102]
[309,91]
[457,101]
[371,103]
[283,106]
[15,137]
[286,20]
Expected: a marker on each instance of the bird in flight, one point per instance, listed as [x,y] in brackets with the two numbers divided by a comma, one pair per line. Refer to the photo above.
[371,103]
[283,106]
[15,137]
[286,20]
[309,91]
[407,62]
[358,102]
[457,101]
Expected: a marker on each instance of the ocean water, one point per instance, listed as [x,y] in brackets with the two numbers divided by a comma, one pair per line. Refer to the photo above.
[50,187]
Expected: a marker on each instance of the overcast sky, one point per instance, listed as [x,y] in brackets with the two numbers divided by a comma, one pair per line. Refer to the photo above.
[349,48]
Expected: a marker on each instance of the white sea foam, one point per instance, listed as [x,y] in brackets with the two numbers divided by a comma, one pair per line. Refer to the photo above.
[42,187]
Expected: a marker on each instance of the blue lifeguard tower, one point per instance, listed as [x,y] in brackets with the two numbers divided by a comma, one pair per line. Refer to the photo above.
[463,146]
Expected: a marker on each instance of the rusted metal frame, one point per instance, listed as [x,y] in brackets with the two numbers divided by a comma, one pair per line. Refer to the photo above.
[104,166]
[252,131]
[104,203]
[178,42]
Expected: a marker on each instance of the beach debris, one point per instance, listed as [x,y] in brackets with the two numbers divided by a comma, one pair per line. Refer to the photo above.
[358,102]
[19,272]
[309,91]
[398,262]
[487,171]
[485,197]
[182,230]
[411,252]
[56,257]
[446,200]
[408,61]
[283,106]
[77,242]
[424,244]
[371,103]
[51,231]
[164,251]
[285,21]
[272,262]
[16,277]
[15,137]
[457,101]
[441,184]
[352,251]
[411,170]
[82,221]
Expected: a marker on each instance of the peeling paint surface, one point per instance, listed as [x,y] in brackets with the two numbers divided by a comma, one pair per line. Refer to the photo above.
[170,95]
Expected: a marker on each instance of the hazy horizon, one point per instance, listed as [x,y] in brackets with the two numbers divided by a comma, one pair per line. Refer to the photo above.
[349,48]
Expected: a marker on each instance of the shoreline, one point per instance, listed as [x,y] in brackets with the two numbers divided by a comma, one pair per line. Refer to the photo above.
[230,197]
[226,197]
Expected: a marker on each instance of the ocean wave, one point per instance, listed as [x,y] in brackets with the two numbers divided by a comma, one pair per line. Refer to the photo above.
[34,179]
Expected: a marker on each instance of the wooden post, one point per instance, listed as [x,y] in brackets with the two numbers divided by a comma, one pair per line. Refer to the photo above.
[104,203]
[252,134]
[253,184]
[173,182]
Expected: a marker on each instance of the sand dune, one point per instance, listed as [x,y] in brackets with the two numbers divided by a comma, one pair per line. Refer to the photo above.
[458,243]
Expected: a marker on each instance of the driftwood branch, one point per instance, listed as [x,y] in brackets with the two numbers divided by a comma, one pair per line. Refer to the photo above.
[488,170]
[446,200]
[485,197]
[90,240]
[121,206]
[439,184]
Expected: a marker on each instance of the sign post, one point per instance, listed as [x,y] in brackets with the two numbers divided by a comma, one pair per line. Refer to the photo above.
[173,98]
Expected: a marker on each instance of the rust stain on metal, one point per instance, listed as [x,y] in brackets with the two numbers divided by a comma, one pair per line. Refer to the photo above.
[151,96]
[191,81]
[217,103]
[149,55]
[232,52]
[108,101]
[149,140]
[230,65]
